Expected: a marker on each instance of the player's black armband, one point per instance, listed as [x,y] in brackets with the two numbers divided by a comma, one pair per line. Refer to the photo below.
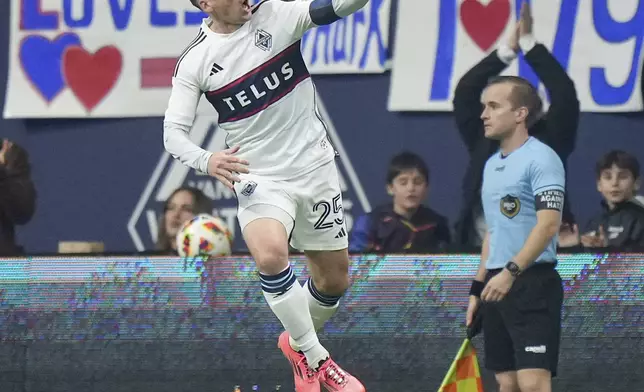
[549,200]
[322,12]
[477,288]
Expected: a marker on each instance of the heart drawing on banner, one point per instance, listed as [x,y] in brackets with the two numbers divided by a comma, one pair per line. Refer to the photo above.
[92,76]
[485,23]
[41,61]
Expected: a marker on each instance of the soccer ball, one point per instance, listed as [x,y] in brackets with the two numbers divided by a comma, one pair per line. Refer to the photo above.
[204,235]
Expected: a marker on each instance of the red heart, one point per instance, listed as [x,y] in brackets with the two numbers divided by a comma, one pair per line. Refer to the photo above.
[91,76]
[485,23]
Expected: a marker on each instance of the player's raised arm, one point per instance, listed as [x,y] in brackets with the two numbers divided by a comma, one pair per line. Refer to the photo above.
[548,183]
[300,16]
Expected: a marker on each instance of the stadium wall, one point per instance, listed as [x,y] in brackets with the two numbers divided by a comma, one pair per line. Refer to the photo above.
[123,324]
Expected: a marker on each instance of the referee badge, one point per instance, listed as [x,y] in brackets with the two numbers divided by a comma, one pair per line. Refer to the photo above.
[510,206]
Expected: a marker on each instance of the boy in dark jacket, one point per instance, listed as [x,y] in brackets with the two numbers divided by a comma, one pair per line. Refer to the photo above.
[620,224]
[404,226]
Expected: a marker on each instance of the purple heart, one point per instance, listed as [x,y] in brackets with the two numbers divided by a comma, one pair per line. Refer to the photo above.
[42,62]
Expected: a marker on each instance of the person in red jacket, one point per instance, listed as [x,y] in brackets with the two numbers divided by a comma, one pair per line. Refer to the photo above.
[17,195]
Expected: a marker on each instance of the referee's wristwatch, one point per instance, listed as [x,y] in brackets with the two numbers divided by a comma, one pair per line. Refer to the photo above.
[514,268]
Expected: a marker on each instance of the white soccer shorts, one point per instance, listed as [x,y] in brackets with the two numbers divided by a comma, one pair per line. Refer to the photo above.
[309,207]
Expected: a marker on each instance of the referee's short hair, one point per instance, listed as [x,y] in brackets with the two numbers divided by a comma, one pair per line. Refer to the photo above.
[195,3]
[524,94]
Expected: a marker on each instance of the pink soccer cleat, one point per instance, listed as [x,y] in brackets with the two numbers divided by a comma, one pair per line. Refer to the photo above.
[335,379]
[306,380]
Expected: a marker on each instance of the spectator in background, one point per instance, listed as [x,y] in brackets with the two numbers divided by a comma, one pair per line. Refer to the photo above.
[557,129]
[182,205]
[620,224]
[17,195]
[404,226]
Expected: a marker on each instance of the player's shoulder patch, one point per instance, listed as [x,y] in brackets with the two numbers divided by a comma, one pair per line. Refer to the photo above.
[200,38]
[510,206]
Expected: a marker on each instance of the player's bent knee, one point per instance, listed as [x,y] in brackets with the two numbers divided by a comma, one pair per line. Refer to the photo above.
[268,244]
[271,261]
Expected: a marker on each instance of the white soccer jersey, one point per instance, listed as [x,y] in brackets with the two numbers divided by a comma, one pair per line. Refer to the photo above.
[258,82]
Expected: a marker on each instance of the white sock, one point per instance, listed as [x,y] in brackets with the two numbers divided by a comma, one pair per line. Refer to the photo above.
[287,300]
[321,308]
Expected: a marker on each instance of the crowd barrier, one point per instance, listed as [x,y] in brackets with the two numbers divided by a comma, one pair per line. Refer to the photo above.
[159,324]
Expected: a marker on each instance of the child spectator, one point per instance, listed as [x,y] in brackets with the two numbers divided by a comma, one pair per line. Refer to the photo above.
[405,225]
[620,224]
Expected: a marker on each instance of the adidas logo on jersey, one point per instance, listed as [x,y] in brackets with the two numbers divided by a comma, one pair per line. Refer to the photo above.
[171,174]
[216,68]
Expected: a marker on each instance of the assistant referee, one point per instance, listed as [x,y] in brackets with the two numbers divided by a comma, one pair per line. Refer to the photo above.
[522,197]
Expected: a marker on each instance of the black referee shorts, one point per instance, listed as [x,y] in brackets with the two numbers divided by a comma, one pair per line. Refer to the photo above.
[523,330]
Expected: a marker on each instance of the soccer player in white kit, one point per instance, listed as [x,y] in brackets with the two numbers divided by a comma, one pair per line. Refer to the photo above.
[248,64]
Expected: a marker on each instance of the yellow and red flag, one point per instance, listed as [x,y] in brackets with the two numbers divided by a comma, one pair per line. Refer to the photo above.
[464,375]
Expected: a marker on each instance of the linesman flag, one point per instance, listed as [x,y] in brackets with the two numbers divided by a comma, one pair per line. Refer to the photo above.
[464,375]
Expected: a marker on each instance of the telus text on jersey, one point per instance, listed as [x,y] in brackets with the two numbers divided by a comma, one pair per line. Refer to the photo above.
[260,88]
